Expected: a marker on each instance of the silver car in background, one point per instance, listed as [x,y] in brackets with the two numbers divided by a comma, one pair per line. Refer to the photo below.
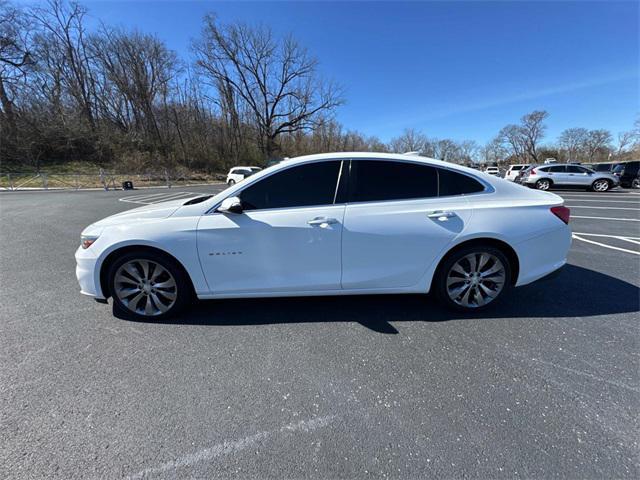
[544,177]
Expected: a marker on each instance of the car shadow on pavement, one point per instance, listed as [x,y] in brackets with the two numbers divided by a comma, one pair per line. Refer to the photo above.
[572,292]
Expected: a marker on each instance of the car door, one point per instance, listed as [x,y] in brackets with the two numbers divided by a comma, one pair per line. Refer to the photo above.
[396,224]
[578,176]
[287,237]
[557,174]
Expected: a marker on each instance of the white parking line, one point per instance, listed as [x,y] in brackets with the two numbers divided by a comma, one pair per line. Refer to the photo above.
[635,202]
[626,238]
[607,218]
[145,196]
[150,199]
[603,208]
[604,245]
[599,195]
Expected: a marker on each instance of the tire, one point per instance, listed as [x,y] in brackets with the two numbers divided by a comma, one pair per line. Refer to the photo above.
[143,292]
[601,185]
[231,182]
[462,295]
[635,183]
[543,184]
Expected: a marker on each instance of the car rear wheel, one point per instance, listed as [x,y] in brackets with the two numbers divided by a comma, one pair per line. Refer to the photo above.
[146,285]
[600,185]
[543,184]
[231,182]
[635,183]
[473,278]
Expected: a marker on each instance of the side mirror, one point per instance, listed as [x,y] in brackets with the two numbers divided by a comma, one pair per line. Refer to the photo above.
[230,205]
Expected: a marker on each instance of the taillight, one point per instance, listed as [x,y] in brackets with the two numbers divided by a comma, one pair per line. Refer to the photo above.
[563,213]
[533,172]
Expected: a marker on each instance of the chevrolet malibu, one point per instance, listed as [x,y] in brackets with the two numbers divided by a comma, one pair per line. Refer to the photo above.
[330,224]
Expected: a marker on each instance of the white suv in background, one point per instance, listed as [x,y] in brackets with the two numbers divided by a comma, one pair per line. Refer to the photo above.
[514,171]
[237,174]
[492,171]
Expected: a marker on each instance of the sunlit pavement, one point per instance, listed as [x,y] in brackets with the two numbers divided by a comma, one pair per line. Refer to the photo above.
[544,385]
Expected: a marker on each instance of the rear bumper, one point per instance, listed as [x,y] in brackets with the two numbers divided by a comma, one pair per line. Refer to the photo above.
[542,255]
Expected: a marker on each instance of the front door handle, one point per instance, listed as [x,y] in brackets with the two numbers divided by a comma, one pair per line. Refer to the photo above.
[442,216]
[322,222]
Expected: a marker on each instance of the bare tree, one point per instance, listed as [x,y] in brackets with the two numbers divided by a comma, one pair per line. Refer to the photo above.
[16,60]
[409,141]
[276,79]
[445,149]
[598,142]
[494,151]
[625,140]
[532,130]
[141,69]
[469,151]
[572,140]
[63,50]
[512,138]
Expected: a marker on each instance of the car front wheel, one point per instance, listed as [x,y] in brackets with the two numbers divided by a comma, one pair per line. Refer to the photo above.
[473,278]
[231,182]
[147,286]
[600,185]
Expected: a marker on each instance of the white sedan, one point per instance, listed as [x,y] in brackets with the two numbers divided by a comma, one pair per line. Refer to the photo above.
[331,224]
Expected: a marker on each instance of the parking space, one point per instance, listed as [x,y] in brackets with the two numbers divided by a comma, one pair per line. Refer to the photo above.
[544,385]
[609,220]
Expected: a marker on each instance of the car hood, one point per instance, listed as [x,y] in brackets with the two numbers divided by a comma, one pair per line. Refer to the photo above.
[148,212]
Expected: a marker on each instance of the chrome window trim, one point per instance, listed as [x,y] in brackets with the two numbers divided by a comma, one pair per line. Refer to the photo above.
[488,188]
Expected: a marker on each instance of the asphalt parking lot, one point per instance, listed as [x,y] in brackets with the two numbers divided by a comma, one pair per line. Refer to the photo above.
[545,385]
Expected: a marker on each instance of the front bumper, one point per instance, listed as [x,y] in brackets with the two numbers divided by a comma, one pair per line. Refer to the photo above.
[88,274]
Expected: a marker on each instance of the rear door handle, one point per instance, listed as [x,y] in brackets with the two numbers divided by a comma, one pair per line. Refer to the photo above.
[442,216]
[322,222]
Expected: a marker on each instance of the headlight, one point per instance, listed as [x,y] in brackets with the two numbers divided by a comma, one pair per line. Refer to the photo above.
[87,240]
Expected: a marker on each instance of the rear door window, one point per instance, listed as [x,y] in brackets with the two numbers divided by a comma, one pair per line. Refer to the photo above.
[455,183]
[556,169]
[382,180]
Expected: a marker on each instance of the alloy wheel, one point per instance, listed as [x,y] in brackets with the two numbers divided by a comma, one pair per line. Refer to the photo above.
[543,184]
[601,185]
[476,280]
[145,287]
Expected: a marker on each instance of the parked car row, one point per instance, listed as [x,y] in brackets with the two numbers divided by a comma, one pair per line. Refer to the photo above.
[599,177]
[628,173]
[546,177]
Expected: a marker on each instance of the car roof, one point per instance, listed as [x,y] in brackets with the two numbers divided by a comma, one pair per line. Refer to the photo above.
[376,156]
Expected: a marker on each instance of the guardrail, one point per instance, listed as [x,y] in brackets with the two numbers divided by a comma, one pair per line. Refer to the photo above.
[21,181]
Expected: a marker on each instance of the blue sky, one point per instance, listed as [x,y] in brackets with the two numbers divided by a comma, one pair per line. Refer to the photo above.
[451,69]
